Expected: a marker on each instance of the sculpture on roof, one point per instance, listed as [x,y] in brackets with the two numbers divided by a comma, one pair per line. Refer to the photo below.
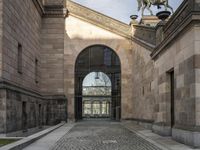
[146,4]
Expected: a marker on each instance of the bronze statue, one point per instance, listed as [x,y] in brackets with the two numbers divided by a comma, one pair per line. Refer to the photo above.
[147,4]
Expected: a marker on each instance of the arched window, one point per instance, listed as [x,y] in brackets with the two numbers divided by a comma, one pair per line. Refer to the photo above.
[98,78]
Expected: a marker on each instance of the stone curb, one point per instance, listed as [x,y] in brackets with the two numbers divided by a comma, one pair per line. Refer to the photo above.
[146,138]
[30,139]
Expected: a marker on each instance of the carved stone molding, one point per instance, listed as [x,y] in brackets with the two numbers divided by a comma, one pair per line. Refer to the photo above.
[54,2]
[51,9]
[99,19]
[55,11]
[39,6]
[108,23]
[183,17]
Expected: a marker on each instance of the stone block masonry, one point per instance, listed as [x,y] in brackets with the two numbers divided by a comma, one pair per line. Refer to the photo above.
[45,41]
[52,56]
[23,104]
[22,109]
[21,26]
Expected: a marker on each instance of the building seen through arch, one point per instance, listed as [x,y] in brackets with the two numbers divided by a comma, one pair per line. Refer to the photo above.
[97,96]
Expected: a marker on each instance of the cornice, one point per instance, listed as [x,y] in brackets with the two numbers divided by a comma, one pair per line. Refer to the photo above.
[91,16]
[99,19]
[50,11]
[187,14]
[107,23]
[39,6]
[55,12]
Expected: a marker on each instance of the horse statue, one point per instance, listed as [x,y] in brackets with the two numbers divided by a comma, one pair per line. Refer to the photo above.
[147,4]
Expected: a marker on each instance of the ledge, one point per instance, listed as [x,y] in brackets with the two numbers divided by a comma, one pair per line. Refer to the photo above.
[139,120]
[52,11]
[39,6]
[16,88]
[55,12]
[27,141]
[145,33]
[187,137]
[186,15]
[188,128]
[146,45]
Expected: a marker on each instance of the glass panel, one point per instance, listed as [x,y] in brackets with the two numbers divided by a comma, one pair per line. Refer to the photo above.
[87,108]
[96,57]
[107,57]
[108,107]
[105,109]
[96,84]
[96,108]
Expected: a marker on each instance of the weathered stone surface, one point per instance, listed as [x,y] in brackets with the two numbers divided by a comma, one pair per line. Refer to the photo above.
[52,56]
[21,25]
[55,42]
[79,35]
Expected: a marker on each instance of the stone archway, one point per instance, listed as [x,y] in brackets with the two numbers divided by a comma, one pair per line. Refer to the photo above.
[98,58]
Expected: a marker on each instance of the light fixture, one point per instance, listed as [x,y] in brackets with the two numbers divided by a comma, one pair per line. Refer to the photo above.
[96,75]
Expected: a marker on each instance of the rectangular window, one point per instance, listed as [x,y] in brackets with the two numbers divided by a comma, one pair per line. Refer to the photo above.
[142,91]
[172,98]
[150,86]
[19,58]
[36,71]
[40,115]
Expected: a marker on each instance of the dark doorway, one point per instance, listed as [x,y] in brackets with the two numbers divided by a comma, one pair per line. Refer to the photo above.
[24,117]
[172,98]
[98,58]
[40,116]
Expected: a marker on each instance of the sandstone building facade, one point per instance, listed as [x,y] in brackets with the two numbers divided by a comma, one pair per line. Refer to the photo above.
[158,74]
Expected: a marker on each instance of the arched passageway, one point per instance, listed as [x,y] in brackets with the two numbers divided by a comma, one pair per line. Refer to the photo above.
[98,59]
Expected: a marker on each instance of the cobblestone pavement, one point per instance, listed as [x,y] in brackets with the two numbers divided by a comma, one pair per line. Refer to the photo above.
[90,135]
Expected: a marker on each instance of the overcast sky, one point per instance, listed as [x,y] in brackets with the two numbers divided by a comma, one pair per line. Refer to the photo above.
[119,9]
[90,80]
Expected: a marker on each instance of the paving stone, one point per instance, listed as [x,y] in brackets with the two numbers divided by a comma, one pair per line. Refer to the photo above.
[104,135]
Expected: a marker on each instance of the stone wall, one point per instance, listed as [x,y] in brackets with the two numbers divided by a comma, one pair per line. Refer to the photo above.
[143,85]
[21,25]
[52,54]
[79,35]
[2,93]
[14,114]
[56,110]
[56,42]
[2,110]
[1,34]
[197,73]
[180,57]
